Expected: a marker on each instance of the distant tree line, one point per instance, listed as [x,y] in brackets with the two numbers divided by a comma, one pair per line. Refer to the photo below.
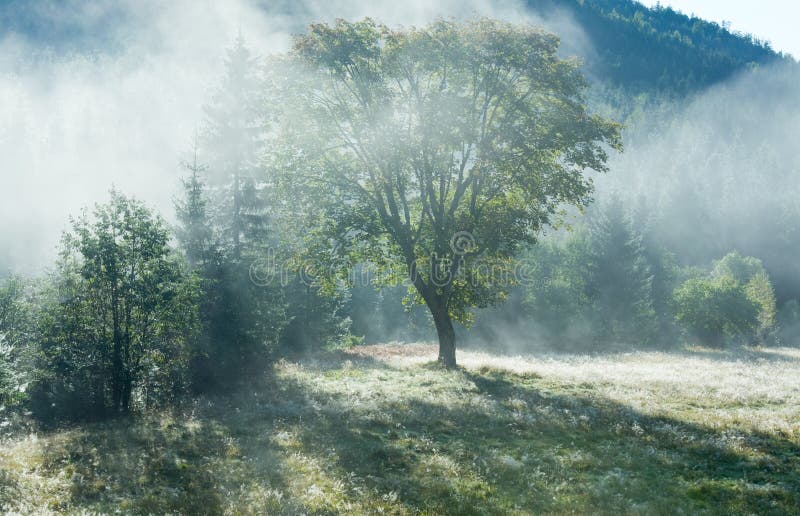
[611,284]
[657,51]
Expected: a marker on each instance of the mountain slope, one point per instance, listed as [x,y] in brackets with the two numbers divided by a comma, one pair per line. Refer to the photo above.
[641,49]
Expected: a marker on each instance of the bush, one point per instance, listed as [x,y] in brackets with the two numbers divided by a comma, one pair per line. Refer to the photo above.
[17,315]
[715,308]
[751,274]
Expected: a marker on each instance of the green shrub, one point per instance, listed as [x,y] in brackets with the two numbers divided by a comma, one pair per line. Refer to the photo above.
[715,308]
[751,274]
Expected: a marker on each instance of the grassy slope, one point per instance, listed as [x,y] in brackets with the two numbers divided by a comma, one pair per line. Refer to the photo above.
[378,429]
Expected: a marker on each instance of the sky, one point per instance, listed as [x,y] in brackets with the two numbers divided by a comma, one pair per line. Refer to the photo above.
[771,20]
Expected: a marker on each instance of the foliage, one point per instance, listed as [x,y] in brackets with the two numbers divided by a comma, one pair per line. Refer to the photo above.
[315,317]
[750,273]
[194,231]
[17,339]
[557,296]
[436,151]
[620,282]
[714,308]
[121,317]
[224,230]
[759,290]
[603,284]
[740,268]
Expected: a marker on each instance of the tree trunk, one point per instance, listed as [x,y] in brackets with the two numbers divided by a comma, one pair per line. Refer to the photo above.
[116,376]
[127,390]
[447,336]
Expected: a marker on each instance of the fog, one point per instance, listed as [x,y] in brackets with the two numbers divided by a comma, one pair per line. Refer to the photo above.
[601,294]
[719,172]
[102,94]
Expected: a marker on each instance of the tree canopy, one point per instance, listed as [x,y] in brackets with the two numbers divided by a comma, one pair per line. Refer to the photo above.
[436,150]
[123,312]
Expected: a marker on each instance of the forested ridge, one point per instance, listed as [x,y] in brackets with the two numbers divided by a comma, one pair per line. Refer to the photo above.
[659,50]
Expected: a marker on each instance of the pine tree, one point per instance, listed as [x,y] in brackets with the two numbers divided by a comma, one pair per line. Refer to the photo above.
[234,142]
[663,267]
[620,281]
[194,231]
[243,320]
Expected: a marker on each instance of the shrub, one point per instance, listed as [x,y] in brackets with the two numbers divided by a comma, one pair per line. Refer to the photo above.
[751,274]
[715,308]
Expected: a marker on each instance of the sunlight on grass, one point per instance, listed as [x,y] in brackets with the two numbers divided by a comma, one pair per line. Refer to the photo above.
[377,430]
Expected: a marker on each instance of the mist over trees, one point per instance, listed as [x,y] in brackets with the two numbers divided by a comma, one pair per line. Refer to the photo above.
[535,258]
[411,184]
[447,147]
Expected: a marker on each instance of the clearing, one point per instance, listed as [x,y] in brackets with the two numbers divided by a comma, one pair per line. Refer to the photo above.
[379,429]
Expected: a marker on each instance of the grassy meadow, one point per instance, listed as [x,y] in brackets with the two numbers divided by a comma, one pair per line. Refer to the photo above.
[381,430]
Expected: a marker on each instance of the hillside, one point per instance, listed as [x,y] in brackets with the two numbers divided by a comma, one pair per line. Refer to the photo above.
[659,50]
[634,47]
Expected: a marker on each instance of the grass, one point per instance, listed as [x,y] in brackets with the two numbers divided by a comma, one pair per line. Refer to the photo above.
[381,430]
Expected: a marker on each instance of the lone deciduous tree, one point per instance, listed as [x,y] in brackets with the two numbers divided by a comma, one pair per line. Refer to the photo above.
[435,150]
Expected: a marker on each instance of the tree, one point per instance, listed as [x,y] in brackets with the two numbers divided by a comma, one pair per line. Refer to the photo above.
[242,320]
[740,268]
[194,229]
[620,283]
[436,151]
[556,296]
[233,141]
[759,290]
[749,272]
[663,268]
[123,310]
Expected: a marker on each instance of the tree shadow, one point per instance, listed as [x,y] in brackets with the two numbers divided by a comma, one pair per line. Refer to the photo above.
[540,452]
[144,466]
[494,443]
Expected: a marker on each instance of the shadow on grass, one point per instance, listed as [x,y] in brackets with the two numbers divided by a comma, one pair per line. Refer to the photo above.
[9,490]
[496,443]
[146,466]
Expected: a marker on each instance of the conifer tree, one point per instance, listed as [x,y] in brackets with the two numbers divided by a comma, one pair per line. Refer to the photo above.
[234,143]
[620,281]
[194,230]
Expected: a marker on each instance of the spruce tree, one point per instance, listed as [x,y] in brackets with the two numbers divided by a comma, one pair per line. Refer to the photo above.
[243,319]
[233,140]
[194,230]
[620,281]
